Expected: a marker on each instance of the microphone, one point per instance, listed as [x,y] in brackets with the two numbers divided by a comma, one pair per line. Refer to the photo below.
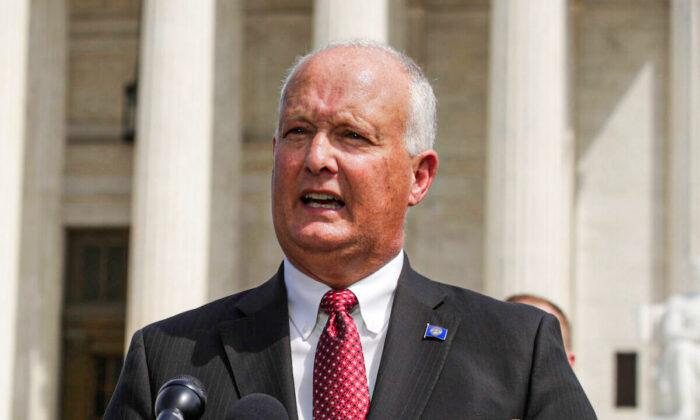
[181,398]
[256,407]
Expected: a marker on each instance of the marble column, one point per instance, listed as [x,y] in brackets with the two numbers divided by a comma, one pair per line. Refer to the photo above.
[32,88]
[14,31]
[530,168]
[185,203]
[380,20]
[684,167]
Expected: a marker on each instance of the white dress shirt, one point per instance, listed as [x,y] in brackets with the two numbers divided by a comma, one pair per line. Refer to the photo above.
[375,295]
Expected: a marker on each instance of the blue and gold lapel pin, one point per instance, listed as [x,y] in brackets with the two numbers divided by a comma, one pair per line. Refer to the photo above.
[435,331]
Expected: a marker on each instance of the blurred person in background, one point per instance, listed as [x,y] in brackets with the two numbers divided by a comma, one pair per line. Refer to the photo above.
[552,308]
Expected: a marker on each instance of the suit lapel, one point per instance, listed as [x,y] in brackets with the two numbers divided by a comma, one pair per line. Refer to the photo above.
[257,344]
[410,365]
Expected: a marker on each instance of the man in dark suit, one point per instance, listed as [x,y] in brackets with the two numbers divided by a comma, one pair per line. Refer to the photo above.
[352,151]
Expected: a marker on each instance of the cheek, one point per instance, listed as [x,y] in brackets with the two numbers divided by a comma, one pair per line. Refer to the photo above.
[285,164]
[282,187]
[383,187]
[397,180]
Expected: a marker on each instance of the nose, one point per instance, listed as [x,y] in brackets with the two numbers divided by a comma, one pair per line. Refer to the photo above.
[320,155]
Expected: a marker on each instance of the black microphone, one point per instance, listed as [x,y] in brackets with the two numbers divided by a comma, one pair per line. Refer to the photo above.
[257,407]
[181,398]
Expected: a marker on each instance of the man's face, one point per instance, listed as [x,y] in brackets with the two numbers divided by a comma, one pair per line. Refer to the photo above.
[342,177]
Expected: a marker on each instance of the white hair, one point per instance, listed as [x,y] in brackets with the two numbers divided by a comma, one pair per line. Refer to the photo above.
[421,126]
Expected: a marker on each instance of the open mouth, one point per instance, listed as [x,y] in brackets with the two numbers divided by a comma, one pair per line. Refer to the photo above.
[322,201]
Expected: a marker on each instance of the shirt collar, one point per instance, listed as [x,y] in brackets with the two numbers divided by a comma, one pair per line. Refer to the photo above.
[375,294]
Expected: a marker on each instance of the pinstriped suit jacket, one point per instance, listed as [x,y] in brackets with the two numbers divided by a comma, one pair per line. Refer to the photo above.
[499,360]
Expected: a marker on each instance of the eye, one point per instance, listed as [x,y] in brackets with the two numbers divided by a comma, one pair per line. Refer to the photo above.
[353,135]
[295,131]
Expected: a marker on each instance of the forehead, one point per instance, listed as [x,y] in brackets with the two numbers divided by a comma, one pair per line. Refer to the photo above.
[346,76]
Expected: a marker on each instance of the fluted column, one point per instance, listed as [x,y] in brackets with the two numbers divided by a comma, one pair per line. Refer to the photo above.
[14,31]
[684,188]
[183,238]
[380,20]
[32,135]
[530,152]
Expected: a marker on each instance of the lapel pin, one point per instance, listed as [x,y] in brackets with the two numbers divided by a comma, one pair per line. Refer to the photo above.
[435,331]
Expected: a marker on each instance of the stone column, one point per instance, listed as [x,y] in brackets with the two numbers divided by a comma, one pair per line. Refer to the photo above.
[530,168]
[14,31]
[32,117]
[380,20]
[185,213]
[684,188]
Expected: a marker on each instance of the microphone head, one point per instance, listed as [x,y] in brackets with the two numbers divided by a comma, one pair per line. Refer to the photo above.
[184,394]
[257,407]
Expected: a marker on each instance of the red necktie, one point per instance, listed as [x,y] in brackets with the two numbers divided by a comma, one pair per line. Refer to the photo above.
[340,383]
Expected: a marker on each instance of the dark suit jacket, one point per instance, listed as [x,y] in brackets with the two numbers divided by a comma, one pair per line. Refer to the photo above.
[499,360]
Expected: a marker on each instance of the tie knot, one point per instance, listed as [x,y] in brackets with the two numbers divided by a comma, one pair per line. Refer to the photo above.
[338,301]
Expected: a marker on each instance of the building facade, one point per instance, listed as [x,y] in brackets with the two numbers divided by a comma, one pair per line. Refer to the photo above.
[569,150]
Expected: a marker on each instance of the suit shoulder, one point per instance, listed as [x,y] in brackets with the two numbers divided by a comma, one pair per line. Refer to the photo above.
[204,317]
[469,303]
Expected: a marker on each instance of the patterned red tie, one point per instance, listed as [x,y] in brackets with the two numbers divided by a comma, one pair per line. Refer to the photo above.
[340,384]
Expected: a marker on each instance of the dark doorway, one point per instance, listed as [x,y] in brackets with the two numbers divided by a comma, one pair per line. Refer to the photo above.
[93,319]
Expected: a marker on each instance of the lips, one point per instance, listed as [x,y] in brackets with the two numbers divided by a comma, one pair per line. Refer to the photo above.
[322,201]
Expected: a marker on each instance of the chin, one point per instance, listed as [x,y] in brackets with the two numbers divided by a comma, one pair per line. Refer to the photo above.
[310,239]
[320,243]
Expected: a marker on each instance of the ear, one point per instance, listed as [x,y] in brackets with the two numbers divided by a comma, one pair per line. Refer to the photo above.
[274,143]
[572,359]
[425,166]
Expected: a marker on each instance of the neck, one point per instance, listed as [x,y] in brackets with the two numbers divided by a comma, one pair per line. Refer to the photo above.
[340,275]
